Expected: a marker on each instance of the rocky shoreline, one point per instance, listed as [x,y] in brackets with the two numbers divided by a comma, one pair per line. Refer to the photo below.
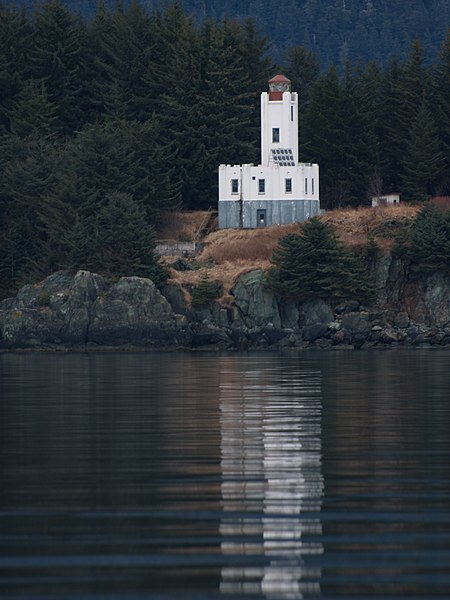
[83,311]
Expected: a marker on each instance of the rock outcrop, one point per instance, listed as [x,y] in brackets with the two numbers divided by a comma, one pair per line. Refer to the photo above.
[83,310]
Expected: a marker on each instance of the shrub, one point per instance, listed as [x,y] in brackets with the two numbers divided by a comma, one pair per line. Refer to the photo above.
[205,291]
[315,263]
[429,249]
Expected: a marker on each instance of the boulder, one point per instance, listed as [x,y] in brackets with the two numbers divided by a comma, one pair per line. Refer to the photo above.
[315,311]
[256,303]
[133,311]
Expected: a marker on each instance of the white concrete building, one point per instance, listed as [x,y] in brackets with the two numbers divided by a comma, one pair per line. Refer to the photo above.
[385,200]
[280,190]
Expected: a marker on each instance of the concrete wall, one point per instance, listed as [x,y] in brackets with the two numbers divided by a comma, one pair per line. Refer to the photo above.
[167,248]
[278,212]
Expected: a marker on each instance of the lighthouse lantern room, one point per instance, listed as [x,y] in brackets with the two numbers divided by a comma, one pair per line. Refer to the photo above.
[280,190]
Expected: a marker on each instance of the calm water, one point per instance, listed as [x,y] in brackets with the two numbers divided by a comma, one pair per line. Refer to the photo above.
[239,475]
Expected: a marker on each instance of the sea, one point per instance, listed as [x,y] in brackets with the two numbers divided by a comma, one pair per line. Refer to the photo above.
[287,475]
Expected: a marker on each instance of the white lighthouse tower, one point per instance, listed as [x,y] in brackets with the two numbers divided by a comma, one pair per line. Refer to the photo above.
[280,190]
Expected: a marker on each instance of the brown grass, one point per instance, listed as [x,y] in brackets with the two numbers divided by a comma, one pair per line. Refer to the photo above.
[243,244]
[355,225]
[228,253]
[180,226]
[225,273]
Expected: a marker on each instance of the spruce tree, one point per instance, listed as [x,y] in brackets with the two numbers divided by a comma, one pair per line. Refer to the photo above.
[315,263]
[423,160]
[442,110]
[56,58]
[430,241]
[125,242]
[33,114]
[323,138]
[15,34]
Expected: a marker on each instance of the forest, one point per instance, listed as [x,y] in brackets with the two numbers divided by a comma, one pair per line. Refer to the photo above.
[108,122]
[336,30]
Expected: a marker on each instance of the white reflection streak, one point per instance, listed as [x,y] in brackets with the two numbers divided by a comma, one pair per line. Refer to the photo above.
[271,481]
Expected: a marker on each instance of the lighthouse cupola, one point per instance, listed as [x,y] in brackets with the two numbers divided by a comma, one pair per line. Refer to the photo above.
[278,85]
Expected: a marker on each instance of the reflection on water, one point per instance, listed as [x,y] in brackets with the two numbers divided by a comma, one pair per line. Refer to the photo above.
[197,476]
[272,484]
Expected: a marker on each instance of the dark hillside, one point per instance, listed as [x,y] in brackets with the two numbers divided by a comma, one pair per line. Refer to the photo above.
[336,30]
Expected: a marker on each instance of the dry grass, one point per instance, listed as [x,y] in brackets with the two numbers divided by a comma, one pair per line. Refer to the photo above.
[228,253]
[243,244]
[355,225]
[225,273]
[180,226]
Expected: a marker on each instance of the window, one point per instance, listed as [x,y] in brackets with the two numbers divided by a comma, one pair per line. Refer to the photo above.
[261,186]
[306,186]
[275,135]
[292,113]
[288,185]
[235,186]
[312,186]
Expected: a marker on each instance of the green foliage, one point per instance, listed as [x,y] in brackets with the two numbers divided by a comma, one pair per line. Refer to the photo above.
[315,263]
[429,249]
[116,241]
[205,291]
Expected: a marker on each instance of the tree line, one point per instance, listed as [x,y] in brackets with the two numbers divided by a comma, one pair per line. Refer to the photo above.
[336,30]
[105,124]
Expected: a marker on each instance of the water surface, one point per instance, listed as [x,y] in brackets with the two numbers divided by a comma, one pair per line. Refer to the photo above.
[225,475]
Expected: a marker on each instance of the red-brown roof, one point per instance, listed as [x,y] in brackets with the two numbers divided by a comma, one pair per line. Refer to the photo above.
[279,78]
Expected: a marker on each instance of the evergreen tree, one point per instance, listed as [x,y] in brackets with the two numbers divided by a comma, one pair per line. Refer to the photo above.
[315,263]
[28,169]
[32,114]
[323,140]
[442,110]
[360,150]
[55,60]
[117,156]
[15,32]
[124,53]
[302,69]
[392,130]
[423,160]
[430,241]
[122,242]
[205,291]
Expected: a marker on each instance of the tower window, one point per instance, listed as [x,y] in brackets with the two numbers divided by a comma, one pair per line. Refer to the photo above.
[292,113]
[312,186]
[234,186]
[275,135]
[288,185]
[306,186]
[261,186]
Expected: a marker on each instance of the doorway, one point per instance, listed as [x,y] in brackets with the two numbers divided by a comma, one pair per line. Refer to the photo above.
[261,217]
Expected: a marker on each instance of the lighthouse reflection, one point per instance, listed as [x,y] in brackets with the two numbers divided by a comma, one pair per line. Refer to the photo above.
[272,482]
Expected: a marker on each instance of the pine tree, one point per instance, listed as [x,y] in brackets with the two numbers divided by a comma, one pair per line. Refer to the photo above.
[28,169]
[315,263]
[117,156]
[423,160]
[122,244]
[430,241]
[442,109]
[32,114]
[205,291]
[360,151]
[302,69]
[323,138]
[15,32]
[55,59]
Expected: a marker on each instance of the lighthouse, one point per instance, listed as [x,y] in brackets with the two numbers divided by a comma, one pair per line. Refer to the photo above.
[281,189]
